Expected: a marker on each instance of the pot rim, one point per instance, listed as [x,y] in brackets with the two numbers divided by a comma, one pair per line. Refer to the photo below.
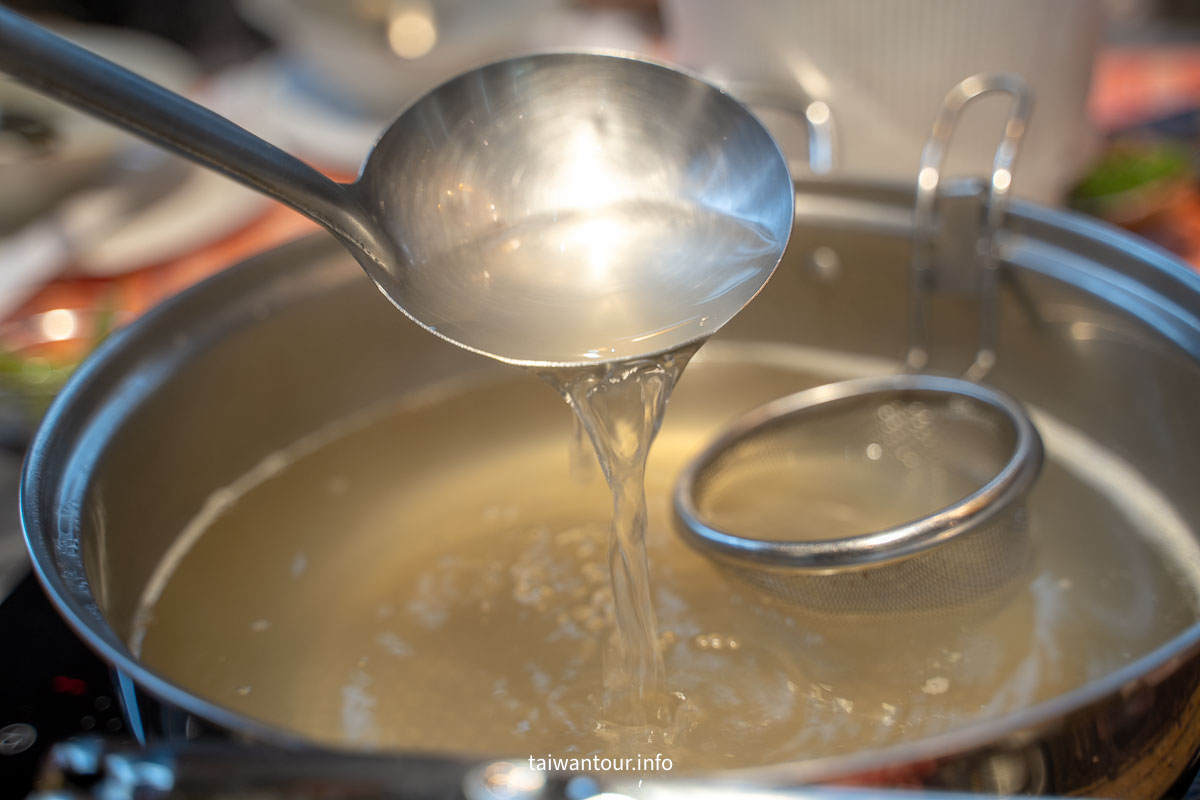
[81,611]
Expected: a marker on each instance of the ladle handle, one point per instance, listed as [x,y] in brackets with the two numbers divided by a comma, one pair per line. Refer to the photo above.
[99,87]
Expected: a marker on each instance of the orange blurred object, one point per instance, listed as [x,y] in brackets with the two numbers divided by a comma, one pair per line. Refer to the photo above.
[1135,85]
[1131,85]
[134,292]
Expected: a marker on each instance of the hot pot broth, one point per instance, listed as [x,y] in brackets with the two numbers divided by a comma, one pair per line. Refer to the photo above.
[457,597]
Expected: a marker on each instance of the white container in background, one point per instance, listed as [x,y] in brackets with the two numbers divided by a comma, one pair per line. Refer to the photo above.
[883,66]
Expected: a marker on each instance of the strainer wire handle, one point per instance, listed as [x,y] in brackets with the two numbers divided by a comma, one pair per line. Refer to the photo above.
[928,177]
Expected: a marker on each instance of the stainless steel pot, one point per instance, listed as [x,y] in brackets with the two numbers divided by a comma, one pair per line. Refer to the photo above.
[1096,327]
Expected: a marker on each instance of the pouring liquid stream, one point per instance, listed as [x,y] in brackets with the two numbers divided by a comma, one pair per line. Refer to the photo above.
[620,408]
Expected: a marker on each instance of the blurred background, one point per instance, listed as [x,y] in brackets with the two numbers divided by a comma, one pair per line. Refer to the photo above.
[96,227]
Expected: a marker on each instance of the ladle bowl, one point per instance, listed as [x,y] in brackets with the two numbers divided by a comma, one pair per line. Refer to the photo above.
[551,210]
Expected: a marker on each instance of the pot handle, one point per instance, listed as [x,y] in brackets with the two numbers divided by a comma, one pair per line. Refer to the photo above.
[814,114]
[92,767]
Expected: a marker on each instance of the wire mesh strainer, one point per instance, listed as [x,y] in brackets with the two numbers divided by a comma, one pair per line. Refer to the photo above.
[896,494]
[937,469]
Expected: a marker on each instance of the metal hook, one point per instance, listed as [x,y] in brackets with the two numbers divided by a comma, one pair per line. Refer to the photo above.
[928,177]
[814,114]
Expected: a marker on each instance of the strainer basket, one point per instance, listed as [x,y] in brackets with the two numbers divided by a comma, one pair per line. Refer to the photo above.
[898,494]
[933,436]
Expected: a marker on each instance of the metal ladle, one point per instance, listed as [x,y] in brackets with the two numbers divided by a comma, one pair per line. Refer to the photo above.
[548,210]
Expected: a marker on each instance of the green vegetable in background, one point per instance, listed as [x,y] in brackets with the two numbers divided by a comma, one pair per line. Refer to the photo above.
[1126,168]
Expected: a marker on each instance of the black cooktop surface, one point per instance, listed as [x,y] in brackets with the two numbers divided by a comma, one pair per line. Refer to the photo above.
[53,687]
